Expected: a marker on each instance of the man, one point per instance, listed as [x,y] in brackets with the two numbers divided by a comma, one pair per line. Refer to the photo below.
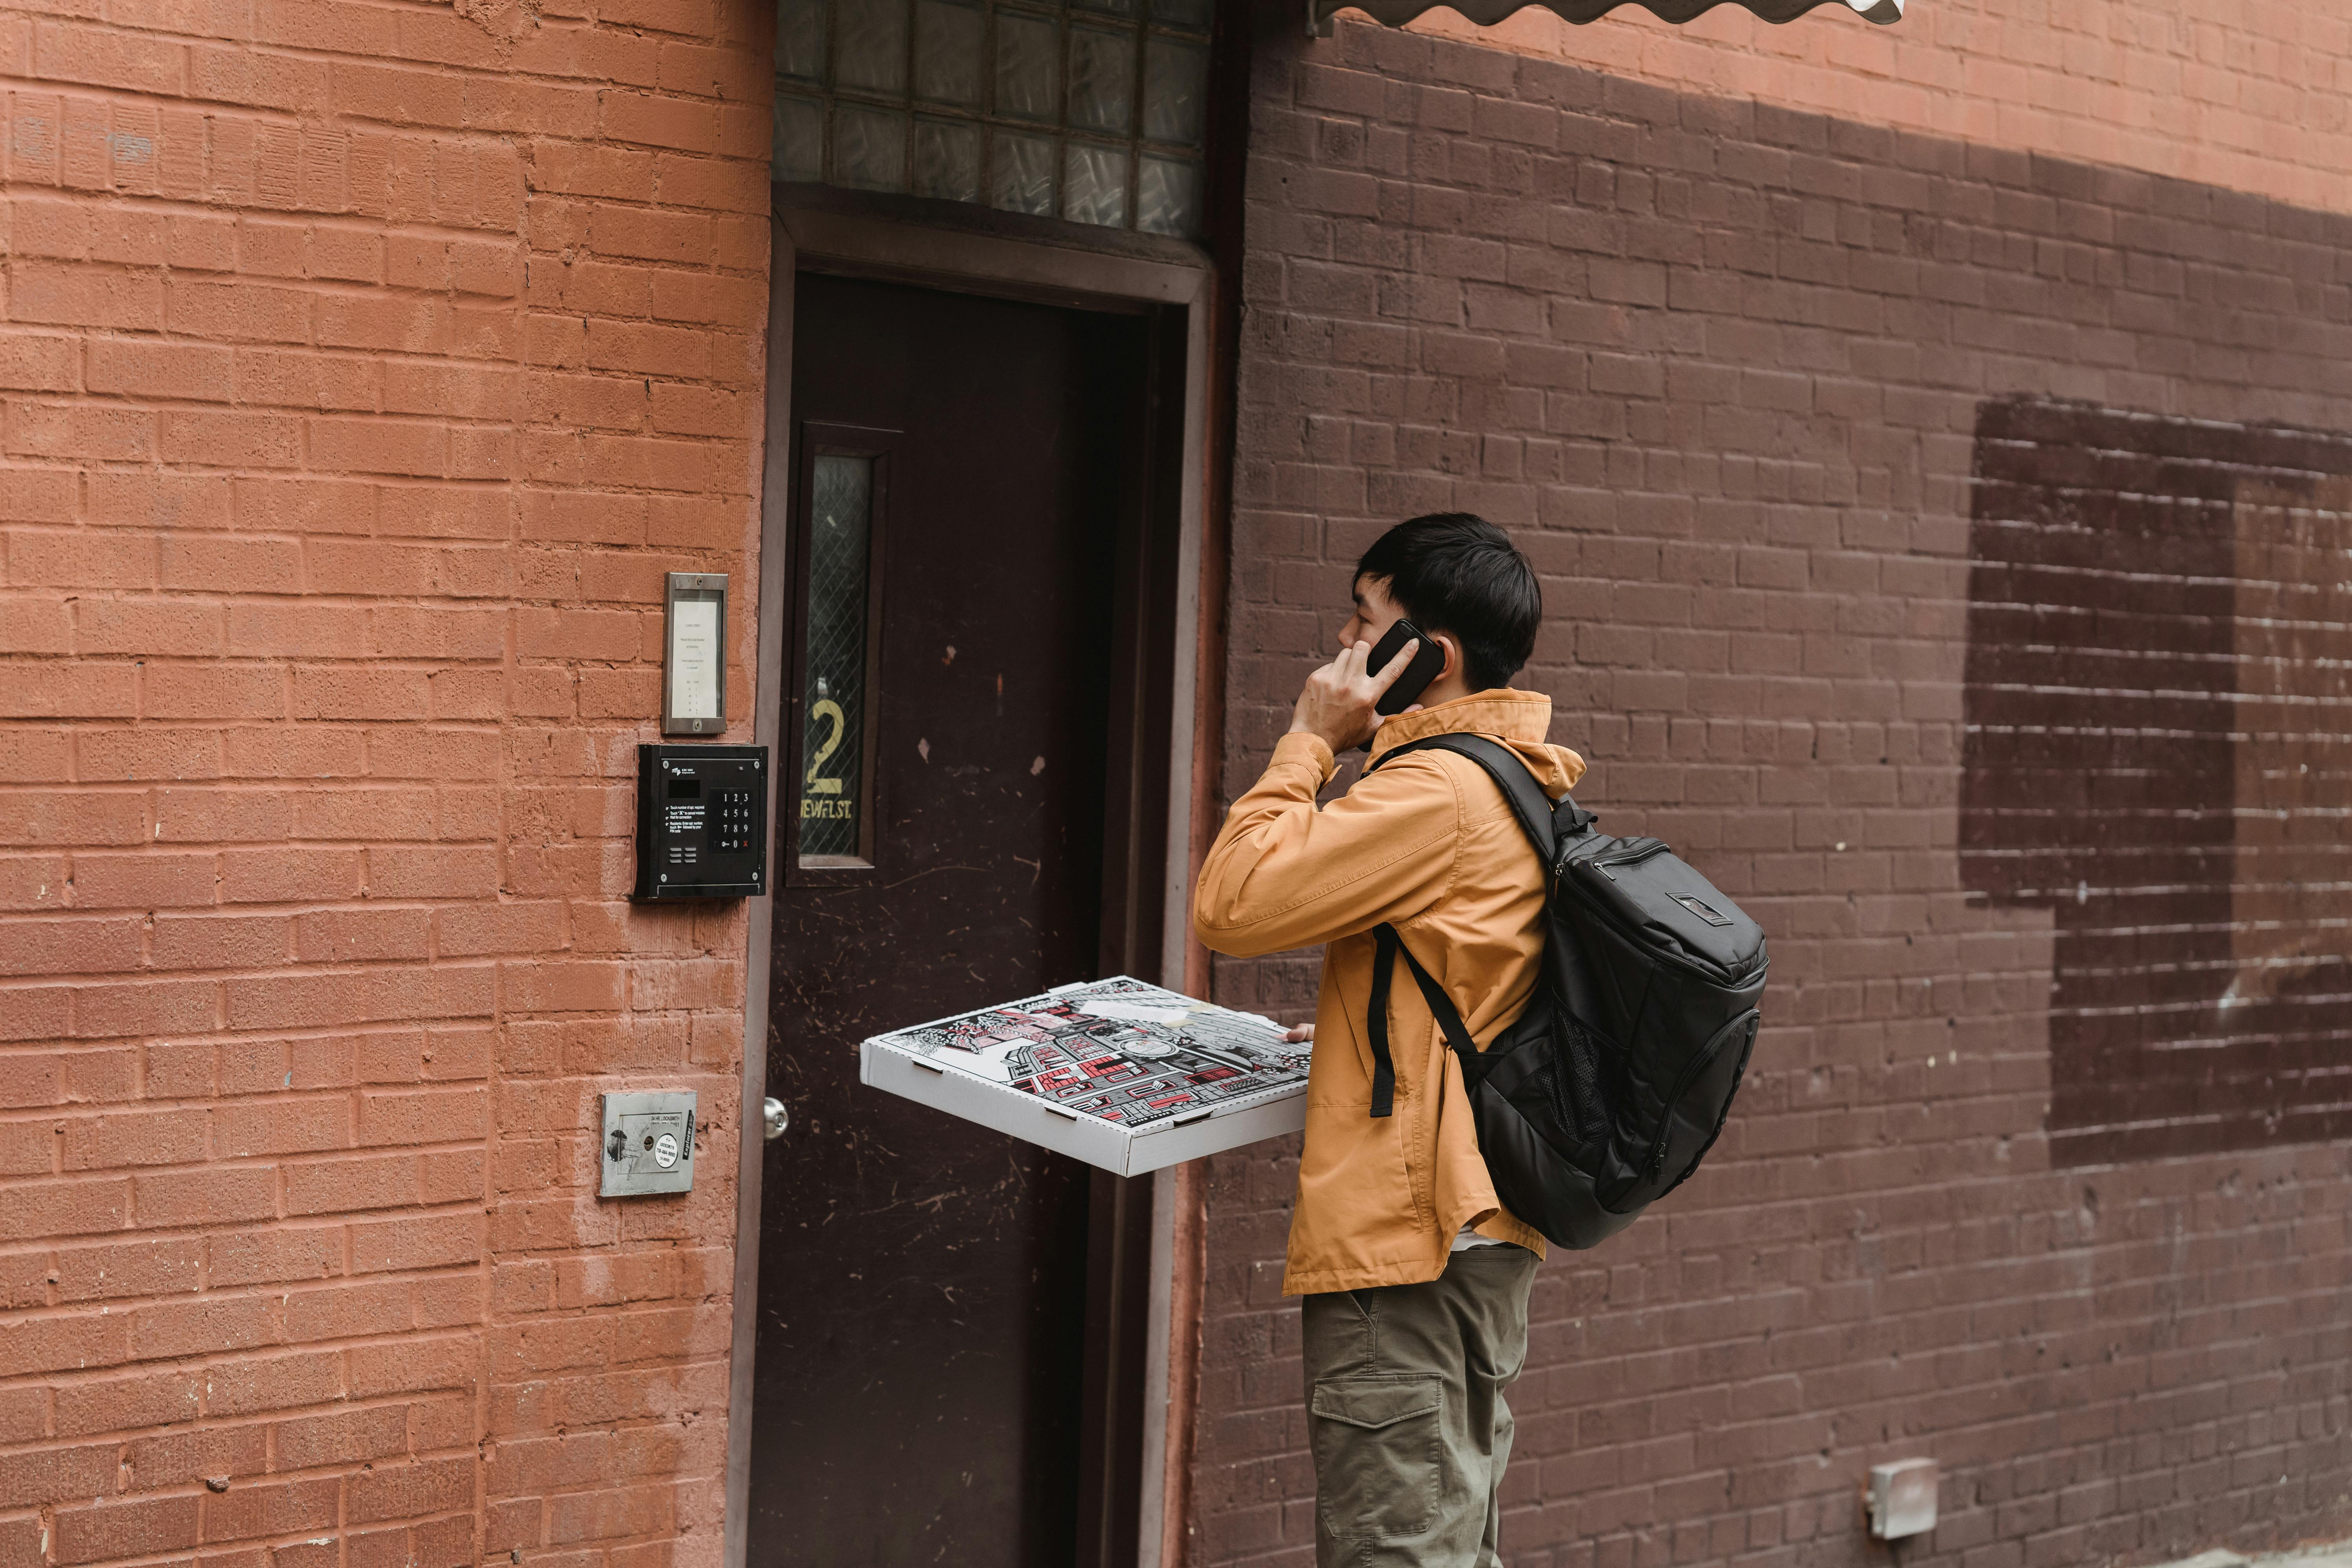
[1415,1277]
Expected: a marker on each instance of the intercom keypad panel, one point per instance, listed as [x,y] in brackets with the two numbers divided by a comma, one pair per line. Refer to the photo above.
[702,822]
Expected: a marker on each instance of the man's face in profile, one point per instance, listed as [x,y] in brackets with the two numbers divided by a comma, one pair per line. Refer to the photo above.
[1375,612]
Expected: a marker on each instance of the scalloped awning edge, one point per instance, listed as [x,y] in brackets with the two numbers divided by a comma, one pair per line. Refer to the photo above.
[1486,13]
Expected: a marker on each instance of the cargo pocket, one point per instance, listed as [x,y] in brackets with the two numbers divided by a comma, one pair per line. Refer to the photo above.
[1378,1446]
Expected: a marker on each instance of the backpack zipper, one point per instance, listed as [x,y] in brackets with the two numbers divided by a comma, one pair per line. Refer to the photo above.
[1654,1163]
[1642,850]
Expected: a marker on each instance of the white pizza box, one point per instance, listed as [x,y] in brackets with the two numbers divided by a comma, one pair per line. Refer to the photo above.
[1119,1073]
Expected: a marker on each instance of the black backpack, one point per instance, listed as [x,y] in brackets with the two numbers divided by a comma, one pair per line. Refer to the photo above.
[1604,1093]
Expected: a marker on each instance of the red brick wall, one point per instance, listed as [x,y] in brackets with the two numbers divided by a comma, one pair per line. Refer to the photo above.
[363,368]
[1721,366]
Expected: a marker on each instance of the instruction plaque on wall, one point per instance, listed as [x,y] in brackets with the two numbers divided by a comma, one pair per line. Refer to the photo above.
[1120,1074]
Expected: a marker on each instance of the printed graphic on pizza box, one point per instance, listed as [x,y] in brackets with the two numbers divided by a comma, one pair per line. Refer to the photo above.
[1117,1049]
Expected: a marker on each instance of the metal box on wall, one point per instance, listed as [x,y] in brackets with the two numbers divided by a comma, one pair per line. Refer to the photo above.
[702,822]
[647,1147]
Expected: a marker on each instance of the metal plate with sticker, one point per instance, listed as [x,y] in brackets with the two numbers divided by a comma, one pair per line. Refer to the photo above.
[647,1144]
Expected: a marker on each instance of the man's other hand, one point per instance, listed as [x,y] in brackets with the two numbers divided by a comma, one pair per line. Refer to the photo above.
[1336,703]
[1298,1034]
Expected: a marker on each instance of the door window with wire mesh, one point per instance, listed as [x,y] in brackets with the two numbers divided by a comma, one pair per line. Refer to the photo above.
[1091,111]
[843,505]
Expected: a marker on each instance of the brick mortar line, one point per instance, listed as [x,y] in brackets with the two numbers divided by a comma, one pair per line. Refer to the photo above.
[439,1334]
[390,477]
[389,64]
[402,663]
[290,966]
[362,904]
[337,354]
[166,402]
[342,286]
[239,1423]
[307,1033]
[264,1478]
[272,1161]
[272,1541]
[343,121]
[457,1334]
[37,194]
[161,402]
[199,1365]
[198,1361]
[480,606]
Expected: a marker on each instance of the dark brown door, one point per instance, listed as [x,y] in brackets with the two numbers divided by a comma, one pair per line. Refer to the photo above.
[971,479]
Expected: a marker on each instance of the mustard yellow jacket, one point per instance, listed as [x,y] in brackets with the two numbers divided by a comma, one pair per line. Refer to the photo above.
[1429,844]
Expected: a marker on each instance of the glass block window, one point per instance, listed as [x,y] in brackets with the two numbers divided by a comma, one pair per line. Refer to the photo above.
[1091,111]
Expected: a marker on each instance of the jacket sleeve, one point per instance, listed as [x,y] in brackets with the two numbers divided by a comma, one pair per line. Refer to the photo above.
[1284,875]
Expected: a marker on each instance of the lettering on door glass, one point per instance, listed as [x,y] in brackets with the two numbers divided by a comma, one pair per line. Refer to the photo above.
[832,752]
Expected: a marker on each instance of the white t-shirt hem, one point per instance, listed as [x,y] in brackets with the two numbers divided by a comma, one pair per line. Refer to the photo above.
[1465,1238]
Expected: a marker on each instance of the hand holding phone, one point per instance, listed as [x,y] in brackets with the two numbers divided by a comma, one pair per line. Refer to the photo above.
[1340,703]
[1428,660]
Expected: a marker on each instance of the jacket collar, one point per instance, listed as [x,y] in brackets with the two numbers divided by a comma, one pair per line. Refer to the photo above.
[1524,717]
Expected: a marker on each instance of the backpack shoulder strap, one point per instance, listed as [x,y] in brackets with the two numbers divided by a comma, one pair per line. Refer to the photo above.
[1388,947]
[1540,819]
[1534,808]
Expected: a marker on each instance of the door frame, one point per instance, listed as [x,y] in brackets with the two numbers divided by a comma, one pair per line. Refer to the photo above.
[897,241]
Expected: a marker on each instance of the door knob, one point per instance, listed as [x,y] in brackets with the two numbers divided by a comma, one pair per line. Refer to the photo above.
[774,1117]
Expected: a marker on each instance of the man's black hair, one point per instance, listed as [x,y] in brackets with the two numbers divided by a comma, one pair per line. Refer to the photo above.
[1454,572]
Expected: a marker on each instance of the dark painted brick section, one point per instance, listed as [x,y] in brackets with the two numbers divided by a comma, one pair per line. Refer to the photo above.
[2156,752]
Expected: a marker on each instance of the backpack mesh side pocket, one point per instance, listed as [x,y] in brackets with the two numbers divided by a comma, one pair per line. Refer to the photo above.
[1578,1078]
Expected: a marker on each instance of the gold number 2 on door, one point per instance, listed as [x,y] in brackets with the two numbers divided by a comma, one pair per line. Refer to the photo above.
[830,711]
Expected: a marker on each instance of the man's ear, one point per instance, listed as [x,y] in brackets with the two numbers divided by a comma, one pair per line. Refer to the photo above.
[1453,647]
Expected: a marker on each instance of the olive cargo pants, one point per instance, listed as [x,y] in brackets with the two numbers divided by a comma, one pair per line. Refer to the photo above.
[1406,1412]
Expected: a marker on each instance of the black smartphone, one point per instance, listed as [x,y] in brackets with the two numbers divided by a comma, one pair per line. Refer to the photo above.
[1427,660]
